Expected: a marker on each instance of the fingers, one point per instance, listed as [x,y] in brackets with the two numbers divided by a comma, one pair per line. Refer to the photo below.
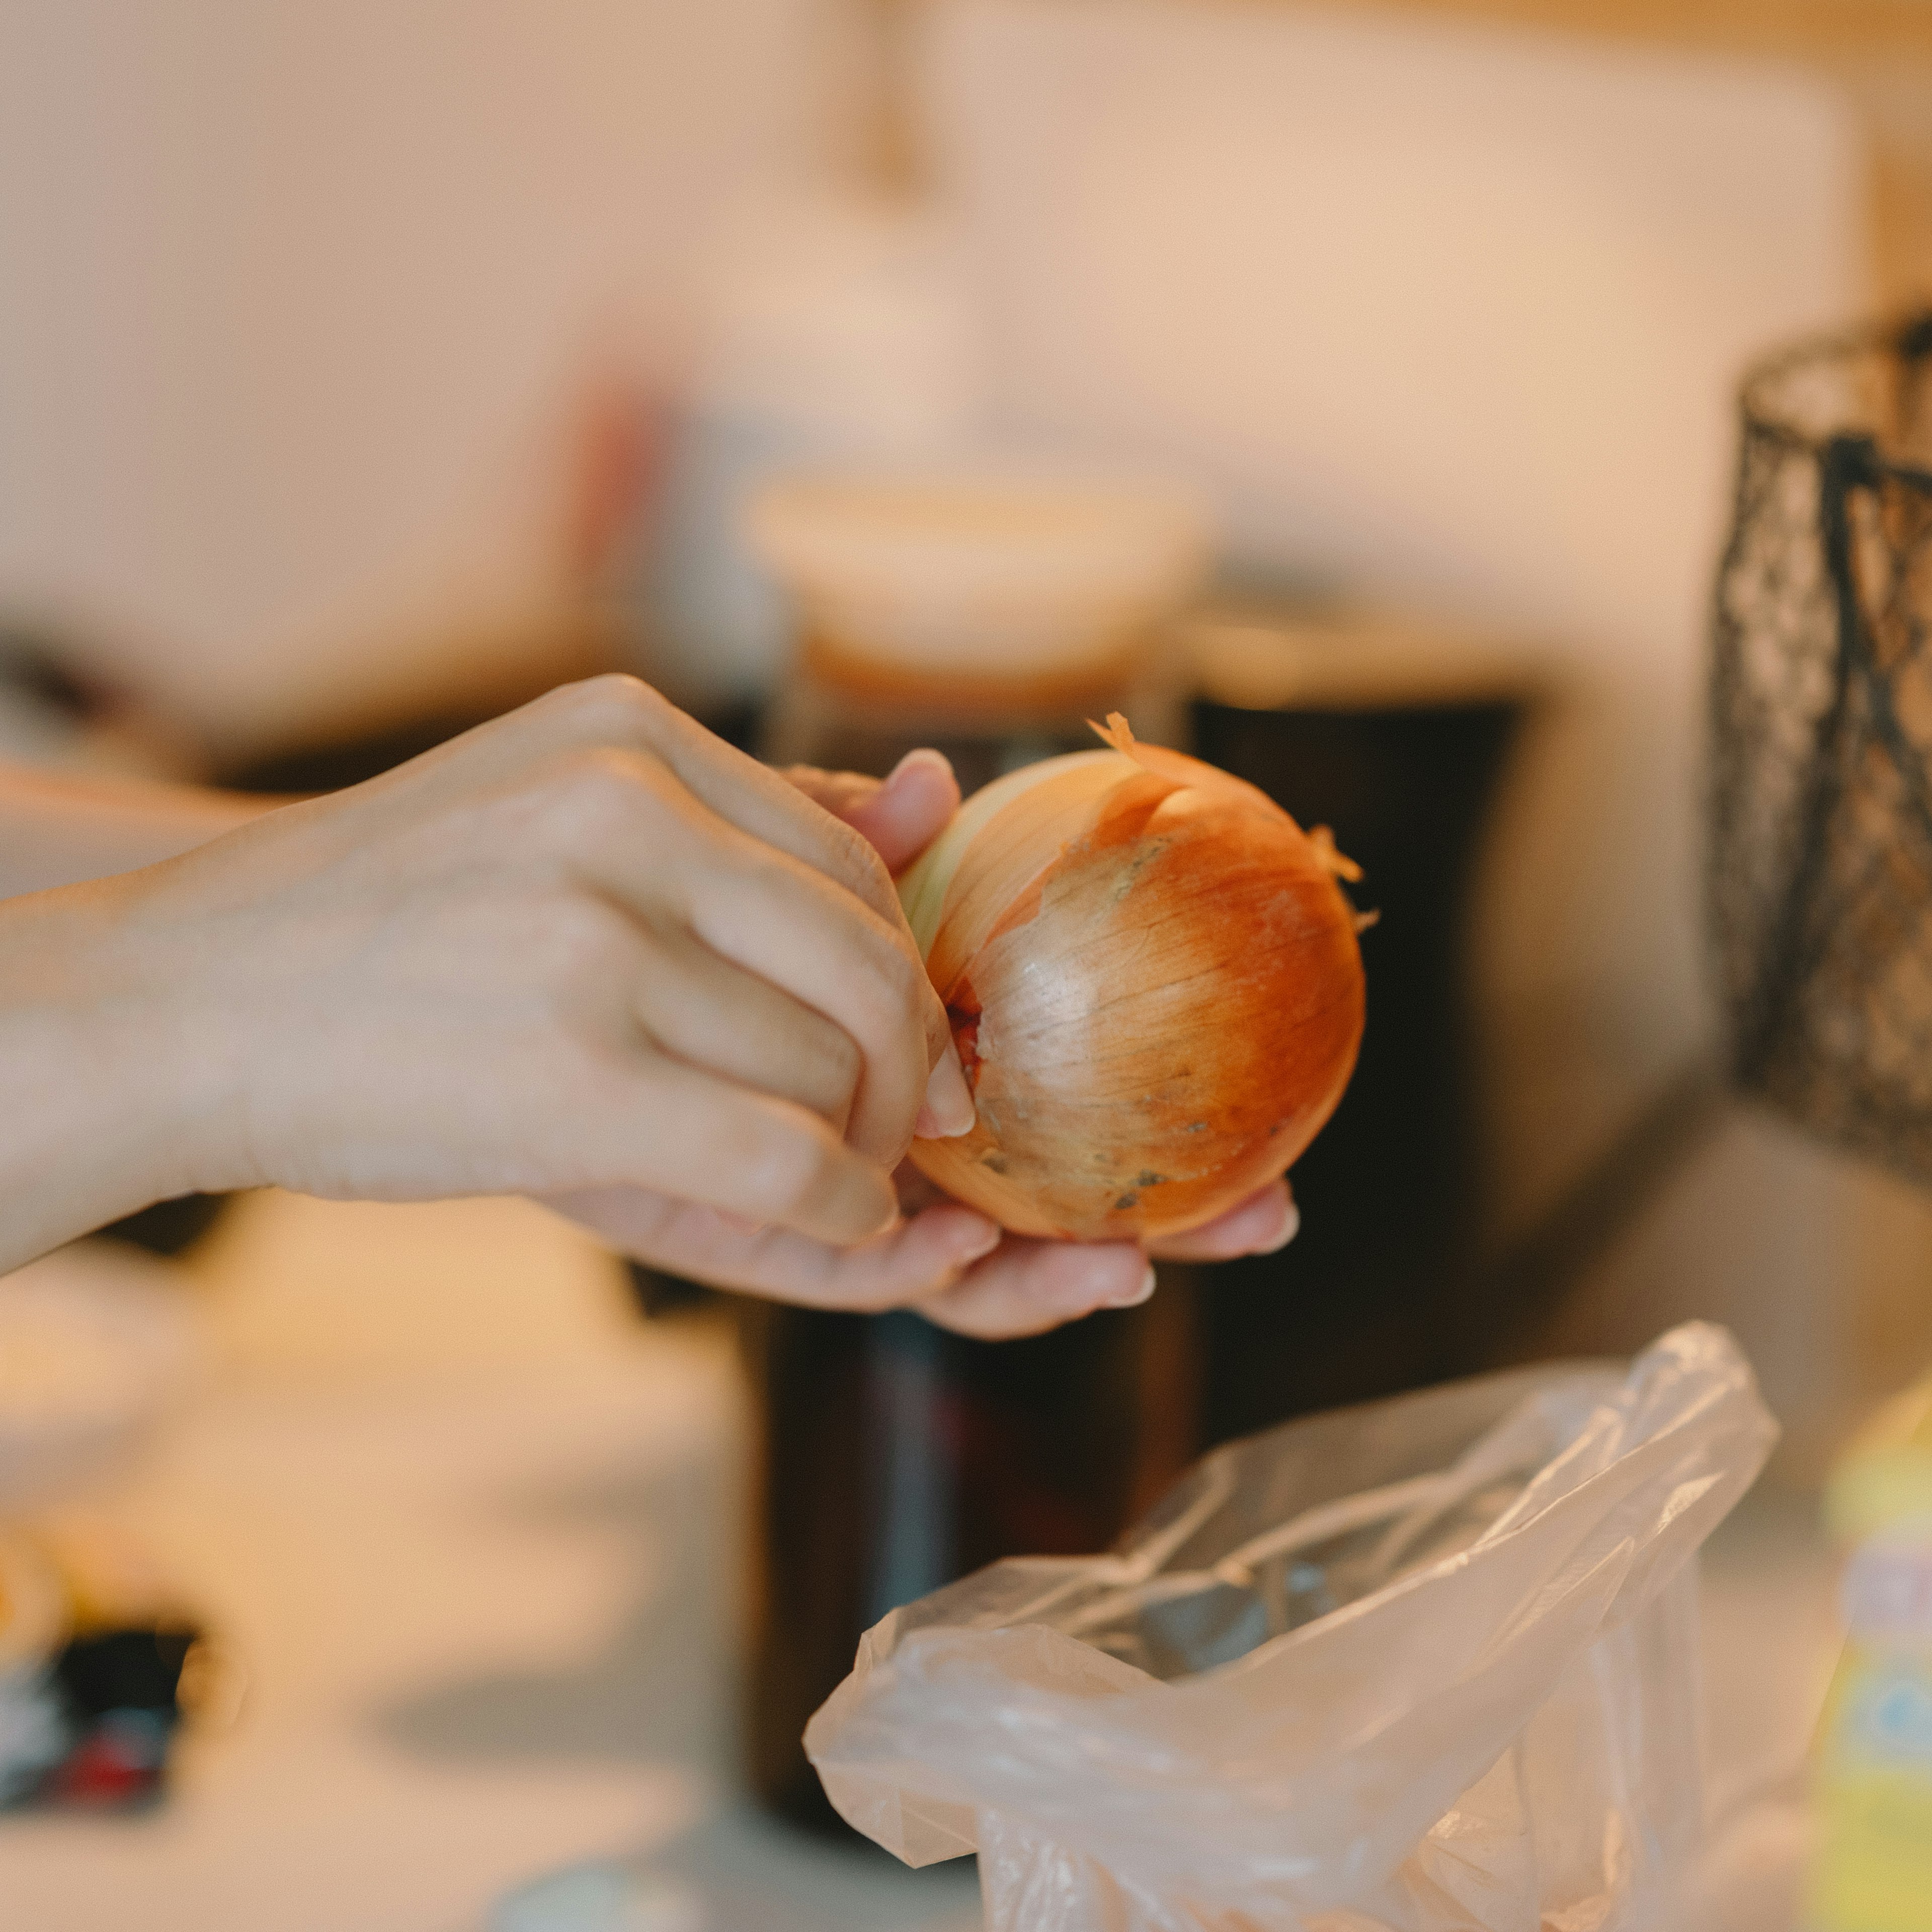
[766,1161]
[620,823]
[844,794]
[900,818]
[908,1263]
[1268,1220]
[602,768]
[1026,1287]
[948,1262]
[616,713]
[706,1012]
[790,926]
[951,1265]
[624,713]
[947,1110]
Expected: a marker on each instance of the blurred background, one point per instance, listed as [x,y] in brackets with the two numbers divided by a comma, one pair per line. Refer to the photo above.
[1347,392]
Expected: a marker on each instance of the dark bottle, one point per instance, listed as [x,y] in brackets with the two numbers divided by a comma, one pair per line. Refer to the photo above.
[895,1456]
[1366,1299]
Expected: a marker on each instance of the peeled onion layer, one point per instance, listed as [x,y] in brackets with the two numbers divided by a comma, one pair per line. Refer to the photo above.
[1154,985]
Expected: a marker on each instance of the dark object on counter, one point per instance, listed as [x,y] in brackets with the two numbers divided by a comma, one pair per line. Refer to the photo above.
[1358,1304]
[1820,880]
[896,1457]
[117,1692]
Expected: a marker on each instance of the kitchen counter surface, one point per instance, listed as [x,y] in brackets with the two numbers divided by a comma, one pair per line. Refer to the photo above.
[471,1533]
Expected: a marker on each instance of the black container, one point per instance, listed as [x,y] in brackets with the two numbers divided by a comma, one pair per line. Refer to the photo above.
[1360,1303]
[894,1457]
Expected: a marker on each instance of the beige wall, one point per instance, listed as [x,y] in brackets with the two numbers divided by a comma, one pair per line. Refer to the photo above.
[1880,51]
[298,304]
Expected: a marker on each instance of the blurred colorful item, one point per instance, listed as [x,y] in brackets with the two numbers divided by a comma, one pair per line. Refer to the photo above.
[94,1680]
[33,1624]
[1874,1776]
[96,1345]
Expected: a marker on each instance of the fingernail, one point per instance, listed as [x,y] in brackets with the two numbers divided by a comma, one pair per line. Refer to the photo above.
[1288,1234]
[923,755]
[948,1109]
[1136,1295]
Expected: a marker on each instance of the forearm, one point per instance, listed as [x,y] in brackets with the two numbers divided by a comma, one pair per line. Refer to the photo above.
[57,830]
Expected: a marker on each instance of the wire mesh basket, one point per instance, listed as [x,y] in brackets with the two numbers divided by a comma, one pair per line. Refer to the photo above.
[1820,886]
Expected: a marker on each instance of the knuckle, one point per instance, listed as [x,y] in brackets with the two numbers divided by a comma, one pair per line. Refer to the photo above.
[581,935]
[853,852]
[614,704]
[786,1169]
[902,985]
[879,1011]
[595,794]
[769,878]
[873,875]
[840,1062]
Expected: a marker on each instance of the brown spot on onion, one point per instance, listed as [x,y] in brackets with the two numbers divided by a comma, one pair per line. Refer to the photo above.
[962,1014]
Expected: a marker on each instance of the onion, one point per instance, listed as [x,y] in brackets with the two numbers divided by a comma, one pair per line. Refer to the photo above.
[1154,985]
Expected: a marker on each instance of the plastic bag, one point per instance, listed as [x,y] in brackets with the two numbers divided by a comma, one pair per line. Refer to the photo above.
[1429,1663]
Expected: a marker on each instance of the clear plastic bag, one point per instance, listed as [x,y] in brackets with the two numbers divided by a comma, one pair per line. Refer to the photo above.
[1429,1665]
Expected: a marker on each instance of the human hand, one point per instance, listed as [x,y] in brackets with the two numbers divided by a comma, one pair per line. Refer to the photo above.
[585,945]
[954,1265]
[951,1263]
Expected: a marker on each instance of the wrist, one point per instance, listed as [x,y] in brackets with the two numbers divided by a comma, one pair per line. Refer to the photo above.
[115,1096]
[56,829]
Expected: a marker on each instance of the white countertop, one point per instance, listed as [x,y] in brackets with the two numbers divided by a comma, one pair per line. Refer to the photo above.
[473,1533]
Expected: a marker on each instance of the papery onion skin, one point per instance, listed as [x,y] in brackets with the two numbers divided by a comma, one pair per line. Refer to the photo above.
[1155,989]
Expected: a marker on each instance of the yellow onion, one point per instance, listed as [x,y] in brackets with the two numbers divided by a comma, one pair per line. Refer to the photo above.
[1154,983]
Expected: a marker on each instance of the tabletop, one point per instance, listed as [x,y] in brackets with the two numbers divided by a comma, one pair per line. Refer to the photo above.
[473,1535]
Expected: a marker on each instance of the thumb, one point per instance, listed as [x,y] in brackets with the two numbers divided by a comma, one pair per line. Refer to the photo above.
[900,818]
